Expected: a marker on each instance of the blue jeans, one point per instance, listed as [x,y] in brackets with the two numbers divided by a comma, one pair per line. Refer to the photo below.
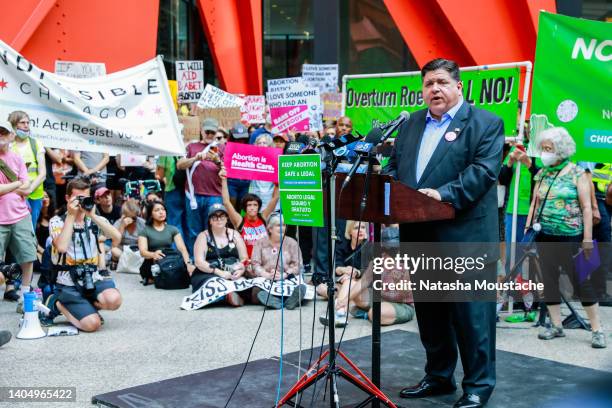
[175,201]
[237,189]
[35,208]
[521,220]
[197,220]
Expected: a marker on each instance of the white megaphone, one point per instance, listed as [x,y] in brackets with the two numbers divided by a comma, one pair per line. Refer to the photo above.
[30,327]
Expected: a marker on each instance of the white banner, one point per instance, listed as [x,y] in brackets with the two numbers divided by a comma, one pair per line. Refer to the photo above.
[217,287]
[190,80]
[321,76]
[74,69]
[130,111]
[213,97]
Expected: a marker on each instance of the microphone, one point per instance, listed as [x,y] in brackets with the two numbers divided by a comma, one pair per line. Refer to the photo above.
[340,141]
[293,148]
[309,144]
[363,148]
[392,126]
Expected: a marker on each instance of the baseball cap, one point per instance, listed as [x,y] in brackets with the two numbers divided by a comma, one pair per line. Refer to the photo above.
[239,131]
[216,208]
[282,136]
[100,192]
[6,125]
[210,124]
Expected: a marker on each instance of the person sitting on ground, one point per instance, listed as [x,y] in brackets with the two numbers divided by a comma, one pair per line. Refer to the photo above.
[130,226]
[348,262]
[219,251]
[264,189]
[252,226]
[104,202]
[267,263]
[82,287]
[156,240]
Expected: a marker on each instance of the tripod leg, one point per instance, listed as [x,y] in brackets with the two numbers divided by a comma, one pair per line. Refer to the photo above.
[574,318]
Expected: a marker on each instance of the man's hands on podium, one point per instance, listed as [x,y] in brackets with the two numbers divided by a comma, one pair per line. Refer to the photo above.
[430,192]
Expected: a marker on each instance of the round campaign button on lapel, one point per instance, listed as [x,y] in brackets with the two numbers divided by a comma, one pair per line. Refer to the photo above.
[450,136]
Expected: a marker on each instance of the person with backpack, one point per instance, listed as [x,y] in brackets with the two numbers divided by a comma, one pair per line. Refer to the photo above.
[174,191]
[33,154]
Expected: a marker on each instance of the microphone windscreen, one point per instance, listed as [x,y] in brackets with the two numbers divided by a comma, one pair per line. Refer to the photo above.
[303,139]
[326,139]
[374,135]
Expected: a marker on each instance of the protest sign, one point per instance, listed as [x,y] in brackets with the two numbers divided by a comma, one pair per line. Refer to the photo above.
[248,162]
[301,189]
[130,111]
[132,160]
[190,79]
[254,109]
[372,100]
[285,84]
[73,69]
[332,106]
[213,97]
[191,127]
[217,287]
[322,76]
[572,82]
[307,103]
[227,117]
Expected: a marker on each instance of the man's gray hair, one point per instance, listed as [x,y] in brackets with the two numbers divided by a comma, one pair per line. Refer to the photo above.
[565,147]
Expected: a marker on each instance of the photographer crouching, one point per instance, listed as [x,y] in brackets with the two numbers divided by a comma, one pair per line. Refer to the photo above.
[81,288]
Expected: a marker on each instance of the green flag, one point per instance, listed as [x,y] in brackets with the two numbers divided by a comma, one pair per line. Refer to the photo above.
[371,101]
[572,82]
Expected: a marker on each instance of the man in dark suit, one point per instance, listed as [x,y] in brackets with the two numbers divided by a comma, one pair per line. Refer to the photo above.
[452,152]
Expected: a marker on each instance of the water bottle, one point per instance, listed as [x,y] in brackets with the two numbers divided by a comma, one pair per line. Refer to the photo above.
[155,270]
[39,298]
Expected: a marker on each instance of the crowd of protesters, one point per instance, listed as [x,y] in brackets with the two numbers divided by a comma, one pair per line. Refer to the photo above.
[232,229]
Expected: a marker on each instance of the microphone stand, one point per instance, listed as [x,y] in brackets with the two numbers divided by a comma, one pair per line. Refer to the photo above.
[331,370]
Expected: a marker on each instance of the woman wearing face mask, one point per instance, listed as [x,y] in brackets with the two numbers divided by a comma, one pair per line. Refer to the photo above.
[561,210]
[33,154]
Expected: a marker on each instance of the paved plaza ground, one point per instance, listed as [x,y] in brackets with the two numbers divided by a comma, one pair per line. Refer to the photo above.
[150,339]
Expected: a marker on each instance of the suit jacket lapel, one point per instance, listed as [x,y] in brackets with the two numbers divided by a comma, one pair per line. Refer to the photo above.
[458,122]
[412,150]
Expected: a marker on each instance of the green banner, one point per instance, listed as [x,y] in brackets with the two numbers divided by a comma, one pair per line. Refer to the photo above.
[301,189]
[572,82]
[370,102]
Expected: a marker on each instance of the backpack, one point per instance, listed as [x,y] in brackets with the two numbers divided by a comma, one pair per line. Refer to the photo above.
[172,271]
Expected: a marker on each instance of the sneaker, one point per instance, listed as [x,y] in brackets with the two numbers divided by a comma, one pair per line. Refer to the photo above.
[549,333]
[339,321]
[45,320]
[273,302]
[11,295]
[599,339]
[296,297]
[234,299]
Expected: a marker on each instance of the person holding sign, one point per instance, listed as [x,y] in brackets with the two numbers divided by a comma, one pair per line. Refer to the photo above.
[252,227]
[203,188]
[452,152]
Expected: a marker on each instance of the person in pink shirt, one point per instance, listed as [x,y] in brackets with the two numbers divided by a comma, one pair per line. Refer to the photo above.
[16,231]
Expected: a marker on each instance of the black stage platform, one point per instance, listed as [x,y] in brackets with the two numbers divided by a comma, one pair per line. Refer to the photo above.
[522,381]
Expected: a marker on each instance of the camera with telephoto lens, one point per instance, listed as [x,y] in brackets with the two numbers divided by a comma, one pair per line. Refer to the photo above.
[86,203]
[11,272]
[85,273]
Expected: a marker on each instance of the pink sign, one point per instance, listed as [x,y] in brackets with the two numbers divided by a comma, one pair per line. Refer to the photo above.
[248,162]
[290,118]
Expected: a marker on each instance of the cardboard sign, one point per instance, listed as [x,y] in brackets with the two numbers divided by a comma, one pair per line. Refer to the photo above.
[332,106]
[248,162]
[213,97]
[75,69]
[191,127]
[254,109]
[322,76]
[227,117]
[190,79]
